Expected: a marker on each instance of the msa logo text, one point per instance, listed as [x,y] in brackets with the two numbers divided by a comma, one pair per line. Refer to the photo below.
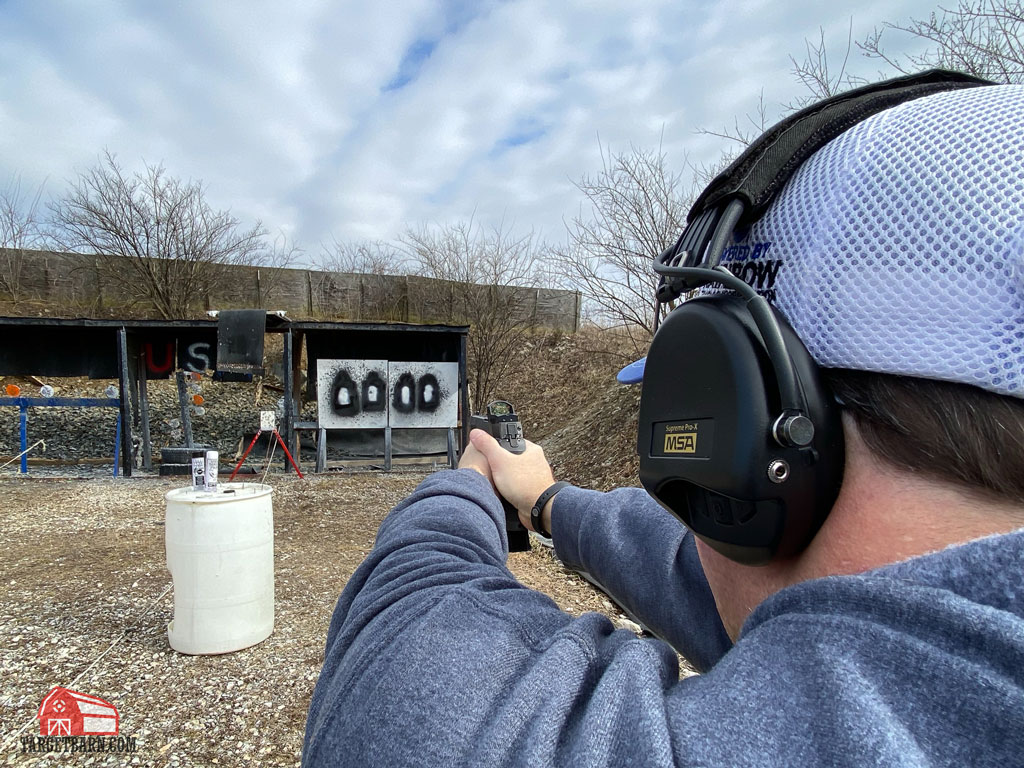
[681,442]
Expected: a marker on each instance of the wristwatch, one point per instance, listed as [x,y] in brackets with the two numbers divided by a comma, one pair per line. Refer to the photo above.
[538,508]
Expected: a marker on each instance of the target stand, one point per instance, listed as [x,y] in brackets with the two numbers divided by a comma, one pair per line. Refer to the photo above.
[268,423]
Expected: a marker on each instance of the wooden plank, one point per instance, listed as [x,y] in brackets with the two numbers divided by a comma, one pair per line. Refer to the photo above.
[126,415]
[286,367]
[464,412]
[186,412]
[147,445]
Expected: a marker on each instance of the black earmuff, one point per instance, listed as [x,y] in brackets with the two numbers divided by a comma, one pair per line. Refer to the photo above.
[738,436]
[709,447]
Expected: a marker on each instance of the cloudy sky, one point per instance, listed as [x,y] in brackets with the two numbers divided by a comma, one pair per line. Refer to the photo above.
[355,120]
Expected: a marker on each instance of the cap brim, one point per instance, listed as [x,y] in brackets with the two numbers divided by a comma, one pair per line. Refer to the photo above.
[632,373]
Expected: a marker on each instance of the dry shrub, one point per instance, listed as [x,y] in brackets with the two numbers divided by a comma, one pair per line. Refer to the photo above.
[567,397]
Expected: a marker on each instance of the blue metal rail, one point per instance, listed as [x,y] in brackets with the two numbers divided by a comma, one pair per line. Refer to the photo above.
[24,403]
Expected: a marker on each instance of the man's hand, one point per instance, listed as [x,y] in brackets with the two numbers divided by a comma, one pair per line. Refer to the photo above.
[473,459]
[521,478]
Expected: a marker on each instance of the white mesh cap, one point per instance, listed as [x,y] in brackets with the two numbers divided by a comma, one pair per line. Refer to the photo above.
[899,246]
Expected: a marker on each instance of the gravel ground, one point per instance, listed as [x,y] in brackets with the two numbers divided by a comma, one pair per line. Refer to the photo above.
[84,568]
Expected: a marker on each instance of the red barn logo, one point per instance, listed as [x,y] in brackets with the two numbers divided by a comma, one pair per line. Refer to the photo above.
[64,712]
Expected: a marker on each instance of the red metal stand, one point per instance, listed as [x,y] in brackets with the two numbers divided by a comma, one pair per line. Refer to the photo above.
[280,441]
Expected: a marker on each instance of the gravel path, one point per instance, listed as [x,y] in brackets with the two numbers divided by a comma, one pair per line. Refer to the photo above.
[84,560]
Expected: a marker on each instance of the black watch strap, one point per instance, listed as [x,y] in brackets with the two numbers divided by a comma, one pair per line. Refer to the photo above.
[538,508]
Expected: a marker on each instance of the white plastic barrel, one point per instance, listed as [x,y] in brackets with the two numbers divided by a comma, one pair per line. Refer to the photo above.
[220,552]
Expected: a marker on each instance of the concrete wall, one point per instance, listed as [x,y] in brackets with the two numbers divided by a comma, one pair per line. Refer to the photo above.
[68,285]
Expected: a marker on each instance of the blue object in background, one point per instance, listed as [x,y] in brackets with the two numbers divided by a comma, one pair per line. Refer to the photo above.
[24,403]
[632,373]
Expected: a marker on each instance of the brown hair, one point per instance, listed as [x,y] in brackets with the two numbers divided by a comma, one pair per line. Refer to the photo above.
[950,432]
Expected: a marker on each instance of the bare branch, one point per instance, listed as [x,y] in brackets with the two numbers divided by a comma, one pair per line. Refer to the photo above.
[20,231]
[816,74]
[635,209]
[979,37]
[744,133]
[366,258]
[158,239]
[492,276]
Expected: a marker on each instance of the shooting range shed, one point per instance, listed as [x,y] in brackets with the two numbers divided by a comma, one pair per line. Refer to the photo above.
[369,380]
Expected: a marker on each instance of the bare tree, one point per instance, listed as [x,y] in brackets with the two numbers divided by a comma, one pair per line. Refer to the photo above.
[367,269]
[979,37]
[820,79]
[157,238]
[490,278]
[275,256]
[20,232]
[636,208]
[744,131]
[369,257]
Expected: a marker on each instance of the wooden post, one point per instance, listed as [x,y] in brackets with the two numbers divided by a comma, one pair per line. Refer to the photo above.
[387,448]
[133,385]
[464,400]
[405,317]
[186,415]
[295,443]
[321,450]
[286,369]
[147,445]
[125,392]
[99,284]
[296,371]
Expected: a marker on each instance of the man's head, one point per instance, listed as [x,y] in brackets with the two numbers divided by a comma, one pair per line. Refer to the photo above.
[899,255]
[896,253]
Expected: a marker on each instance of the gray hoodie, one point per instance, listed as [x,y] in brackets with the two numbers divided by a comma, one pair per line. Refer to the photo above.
[436,655]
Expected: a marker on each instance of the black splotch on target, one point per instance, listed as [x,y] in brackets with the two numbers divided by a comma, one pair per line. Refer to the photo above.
[344,394]
[375,392]
[428,393]
[404,400]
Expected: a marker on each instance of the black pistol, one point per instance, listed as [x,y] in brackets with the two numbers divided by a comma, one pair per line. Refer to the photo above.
[502,423]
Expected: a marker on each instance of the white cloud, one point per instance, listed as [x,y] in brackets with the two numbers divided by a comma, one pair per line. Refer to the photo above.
[359,120]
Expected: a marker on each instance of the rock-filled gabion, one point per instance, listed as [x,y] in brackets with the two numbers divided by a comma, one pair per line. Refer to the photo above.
[228,413]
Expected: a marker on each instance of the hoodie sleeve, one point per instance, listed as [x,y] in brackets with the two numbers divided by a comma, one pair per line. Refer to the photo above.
[436,655]
[645,559]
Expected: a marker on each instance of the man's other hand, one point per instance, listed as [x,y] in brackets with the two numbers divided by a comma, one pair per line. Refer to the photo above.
[520,478]
[473,459]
